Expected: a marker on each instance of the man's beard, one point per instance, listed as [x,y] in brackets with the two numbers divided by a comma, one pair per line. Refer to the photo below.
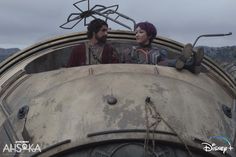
[102,39]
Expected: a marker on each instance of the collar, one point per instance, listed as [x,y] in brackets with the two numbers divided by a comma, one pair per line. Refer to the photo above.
[145,47]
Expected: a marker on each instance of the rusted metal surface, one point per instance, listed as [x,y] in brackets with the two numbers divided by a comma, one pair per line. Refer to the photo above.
[72,103]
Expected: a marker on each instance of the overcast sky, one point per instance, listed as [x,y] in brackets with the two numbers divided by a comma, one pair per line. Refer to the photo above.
[26,22]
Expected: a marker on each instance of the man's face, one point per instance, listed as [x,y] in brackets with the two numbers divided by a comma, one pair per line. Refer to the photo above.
[101,35]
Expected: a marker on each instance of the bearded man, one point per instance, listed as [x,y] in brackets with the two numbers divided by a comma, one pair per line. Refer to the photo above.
[96,50]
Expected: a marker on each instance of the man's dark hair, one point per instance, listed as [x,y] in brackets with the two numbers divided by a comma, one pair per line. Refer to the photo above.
[94,26]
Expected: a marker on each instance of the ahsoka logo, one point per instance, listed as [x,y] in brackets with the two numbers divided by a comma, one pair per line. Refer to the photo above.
[213,147]
[20,146]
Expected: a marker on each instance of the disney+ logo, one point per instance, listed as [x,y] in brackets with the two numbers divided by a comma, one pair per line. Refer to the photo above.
[208,147]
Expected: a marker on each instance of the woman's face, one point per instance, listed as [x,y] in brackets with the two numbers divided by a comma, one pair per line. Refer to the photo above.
[141,36]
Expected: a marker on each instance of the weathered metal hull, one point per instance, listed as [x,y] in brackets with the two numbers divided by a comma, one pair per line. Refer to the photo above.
[69,109]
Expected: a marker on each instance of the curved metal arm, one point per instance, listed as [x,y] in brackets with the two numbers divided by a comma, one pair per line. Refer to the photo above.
[211,35]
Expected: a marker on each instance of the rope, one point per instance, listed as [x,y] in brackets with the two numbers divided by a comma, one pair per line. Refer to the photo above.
[151,111]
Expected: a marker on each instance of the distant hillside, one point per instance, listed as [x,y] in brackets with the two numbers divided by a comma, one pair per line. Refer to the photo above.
[223,56]
[4,53]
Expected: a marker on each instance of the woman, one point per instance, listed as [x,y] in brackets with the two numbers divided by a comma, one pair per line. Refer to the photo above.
[145,32]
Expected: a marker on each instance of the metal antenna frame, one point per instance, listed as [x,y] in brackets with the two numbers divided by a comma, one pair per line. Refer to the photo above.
[99,10]
[210,35]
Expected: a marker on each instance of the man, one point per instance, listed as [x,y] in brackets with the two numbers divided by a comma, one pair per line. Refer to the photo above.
[95,51]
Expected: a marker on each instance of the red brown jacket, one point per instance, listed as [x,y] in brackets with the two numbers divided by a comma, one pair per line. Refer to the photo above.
[78,56]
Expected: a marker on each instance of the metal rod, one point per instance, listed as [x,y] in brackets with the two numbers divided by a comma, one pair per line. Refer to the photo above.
[63,25]
[75,18]
[118,22]
[88,5]
[211,35]
[77,7]
[128,131]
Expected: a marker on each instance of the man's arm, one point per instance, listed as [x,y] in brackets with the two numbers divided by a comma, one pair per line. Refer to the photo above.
[109,55]
[78,56]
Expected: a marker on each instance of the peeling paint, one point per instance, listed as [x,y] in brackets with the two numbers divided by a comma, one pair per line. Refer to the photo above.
[123,116]
[131,117]
[35,115]
[58,108]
